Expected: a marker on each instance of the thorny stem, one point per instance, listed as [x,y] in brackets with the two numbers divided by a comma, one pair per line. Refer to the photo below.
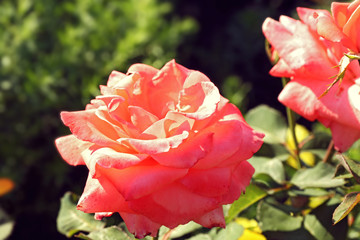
[292,122]
[329,152]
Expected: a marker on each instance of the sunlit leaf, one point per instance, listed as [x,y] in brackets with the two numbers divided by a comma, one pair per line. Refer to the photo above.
[272,218]
[273,167]
[319,176]
[341,172]
[109,233]
[315,228]
[352,167]
[269,121]
[345,207]
[181,230]
[232,232]
[70,220]
[252,195]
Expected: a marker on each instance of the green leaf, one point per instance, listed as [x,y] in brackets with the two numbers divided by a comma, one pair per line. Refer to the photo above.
[109,233]
[70,220]
[345,207]
[354,151]
[278,151]
[341,172]
[252,195]
[269,121]
[6,225]
[273,167]
[352,167]
[272,218]
[182,230]
[311,192]
[232,232]
[315,228]
[319,176]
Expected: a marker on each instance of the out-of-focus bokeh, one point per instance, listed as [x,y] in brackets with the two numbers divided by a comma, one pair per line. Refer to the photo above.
[54,54]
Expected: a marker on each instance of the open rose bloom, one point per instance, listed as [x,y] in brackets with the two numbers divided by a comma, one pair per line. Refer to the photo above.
[309,52]
[163,147]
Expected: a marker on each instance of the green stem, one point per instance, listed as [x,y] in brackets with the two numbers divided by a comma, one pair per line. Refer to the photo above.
[291,121]
[329,152]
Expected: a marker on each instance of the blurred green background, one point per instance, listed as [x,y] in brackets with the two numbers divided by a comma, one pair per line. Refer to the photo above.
[54,54]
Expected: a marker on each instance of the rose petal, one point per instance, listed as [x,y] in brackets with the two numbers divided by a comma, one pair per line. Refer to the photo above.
[109,158]
[114,78]
[332,110]
[199,101]
[226,140]
[139,225]
[188,153]
[327,28]
[141,118]
[209,183]
[281,69]
[155,146]
[100,196]
[301,51]
[101,215]
[70,149]
[166,86]
[241,177]
[214,218]
[86,126]
[352,28]
[138,181]
[344,136]
[340,11]
[174,205]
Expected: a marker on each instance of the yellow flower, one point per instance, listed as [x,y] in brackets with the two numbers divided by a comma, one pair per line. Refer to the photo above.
[252,230]
[301,134]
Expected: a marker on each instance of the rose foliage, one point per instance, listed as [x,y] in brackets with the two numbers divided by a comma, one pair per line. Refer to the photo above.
[313,52]
[163,147]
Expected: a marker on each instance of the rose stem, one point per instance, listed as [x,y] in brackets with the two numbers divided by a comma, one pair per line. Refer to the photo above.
[292,123]
[329,152]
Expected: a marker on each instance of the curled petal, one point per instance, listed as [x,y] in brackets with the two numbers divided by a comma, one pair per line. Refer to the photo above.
[199,101]
[188,153]
[214,218]
[141,118]
[71,148]
[86,126]
[139,225]
[114,78]
[100,196]
[340,13]
[155,146]
[299,48]
[109,158]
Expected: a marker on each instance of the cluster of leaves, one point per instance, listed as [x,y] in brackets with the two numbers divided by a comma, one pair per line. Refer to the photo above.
[285,200]
[53,57]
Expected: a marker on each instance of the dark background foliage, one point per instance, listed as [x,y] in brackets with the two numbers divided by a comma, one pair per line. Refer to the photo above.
[54,54]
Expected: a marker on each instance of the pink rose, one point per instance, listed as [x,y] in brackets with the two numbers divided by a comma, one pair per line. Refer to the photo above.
[308,52]
[163,147]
